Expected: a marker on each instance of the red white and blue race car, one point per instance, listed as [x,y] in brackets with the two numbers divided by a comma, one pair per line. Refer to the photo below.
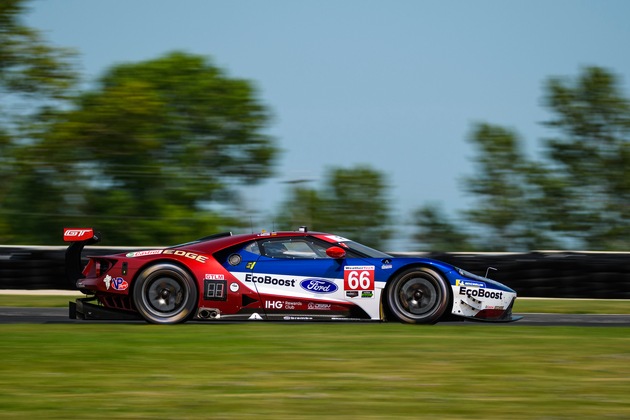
[299,276]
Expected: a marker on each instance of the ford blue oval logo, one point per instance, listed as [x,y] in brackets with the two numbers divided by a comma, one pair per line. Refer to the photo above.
[318,286]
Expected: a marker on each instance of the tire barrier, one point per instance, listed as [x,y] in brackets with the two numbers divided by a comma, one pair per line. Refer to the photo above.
[39,267]
[556,274]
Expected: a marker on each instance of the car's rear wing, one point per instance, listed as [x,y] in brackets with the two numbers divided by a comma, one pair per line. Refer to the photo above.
[78,238]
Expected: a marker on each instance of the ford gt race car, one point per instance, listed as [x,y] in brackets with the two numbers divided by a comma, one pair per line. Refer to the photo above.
[299,276]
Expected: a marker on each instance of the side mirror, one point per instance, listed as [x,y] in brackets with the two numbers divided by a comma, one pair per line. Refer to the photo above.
[336,252]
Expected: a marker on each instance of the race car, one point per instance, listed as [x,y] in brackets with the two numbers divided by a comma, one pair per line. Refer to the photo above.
[294,276]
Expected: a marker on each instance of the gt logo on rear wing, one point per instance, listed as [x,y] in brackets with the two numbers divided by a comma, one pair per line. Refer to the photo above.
[77,234]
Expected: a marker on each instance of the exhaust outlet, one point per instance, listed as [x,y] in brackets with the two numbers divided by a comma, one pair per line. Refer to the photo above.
[207,313]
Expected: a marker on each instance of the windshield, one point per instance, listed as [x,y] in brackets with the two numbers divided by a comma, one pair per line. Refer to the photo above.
[365,250]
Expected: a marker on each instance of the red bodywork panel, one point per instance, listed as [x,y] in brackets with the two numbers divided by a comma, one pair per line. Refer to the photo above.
[110,277]
[275,276]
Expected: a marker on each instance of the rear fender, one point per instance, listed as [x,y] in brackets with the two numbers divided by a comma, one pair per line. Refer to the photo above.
[172,261]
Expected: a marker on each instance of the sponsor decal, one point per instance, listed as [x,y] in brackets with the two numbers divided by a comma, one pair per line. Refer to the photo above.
[107,280]
[318,286]
[298,318]
[255,317]
[252,278]
[292,305]
[352,293]
[214,290]
[234,287]
[72,234]
[214,277]
[336,238]
[200,258]
[144,253]
[470,283]
[386,266]
[480,293]
[358,277]
[250,265]
[273,304]
[319,306]
[119,283]
[367,294]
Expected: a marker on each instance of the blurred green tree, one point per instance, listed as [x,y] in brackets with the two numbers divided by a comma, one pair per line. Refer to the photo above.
[505,211]
[352,203]
[34,77]
[577,196]
[437,233]
[590,159]
[28,65]
[149,151]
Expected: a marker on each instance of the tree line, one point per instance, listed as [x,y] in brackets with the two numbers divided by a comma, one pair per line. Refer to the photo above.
[151,148]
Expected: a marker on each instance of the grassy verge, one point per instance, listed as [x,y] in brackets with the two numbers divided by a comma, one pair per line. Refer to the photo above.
[561,306]
[36,301]
[313,371]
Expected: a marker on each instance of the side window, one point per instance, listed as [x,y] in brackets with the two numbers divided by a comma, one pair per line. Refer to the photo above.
[253,248]
[293,249]
[274,249]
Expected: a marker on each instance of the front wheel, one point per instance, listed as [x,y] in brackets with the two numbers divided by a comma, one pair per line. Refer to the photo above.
[418,296]
[165,294]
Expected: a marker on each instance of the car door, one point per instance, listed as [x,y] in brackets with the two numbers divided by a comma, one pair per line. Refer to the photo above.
[231,295]
[296,279]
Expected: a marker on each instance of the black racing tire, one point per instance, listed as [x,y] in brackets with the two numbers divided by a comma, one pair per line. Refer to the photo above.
[165,294]
[418,295]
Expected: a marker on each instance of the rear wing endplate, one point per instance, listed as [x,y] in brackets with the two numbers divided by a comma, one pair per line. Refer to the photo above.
[78,238]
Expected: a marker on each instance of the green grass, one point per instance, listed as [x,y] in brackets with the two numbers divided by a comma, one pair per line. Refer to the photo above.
[35,301]
[313,371]
[562,306]
[316,370]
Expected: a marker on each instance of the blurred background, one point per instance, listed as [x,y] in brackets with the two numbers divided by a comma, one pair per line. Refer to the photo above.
[407,125]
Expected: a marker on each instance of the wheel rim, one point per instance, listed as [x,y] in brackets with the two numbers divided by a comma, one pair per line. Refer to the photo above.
[164,296]
[418,296]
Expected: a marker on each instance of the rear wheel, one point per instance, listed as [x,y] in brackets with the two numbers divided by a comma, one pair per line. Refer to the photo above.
[165,294]
[418,296]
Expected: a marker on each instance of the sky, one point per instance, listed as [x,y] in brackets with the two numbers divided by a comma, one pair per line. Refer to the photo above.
[397,85]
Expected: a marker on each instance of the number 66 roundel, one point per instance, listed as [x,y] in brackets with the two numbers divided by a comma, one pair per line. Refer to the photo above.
[358,277]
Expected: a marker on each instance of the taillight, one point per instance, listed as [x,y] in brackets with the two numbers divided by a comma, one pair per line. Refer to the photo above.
[103,266]
[98,267]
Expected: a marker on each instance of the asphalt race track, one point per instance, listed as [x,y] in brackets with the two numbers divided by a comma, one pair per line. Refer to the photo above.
[10,315]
